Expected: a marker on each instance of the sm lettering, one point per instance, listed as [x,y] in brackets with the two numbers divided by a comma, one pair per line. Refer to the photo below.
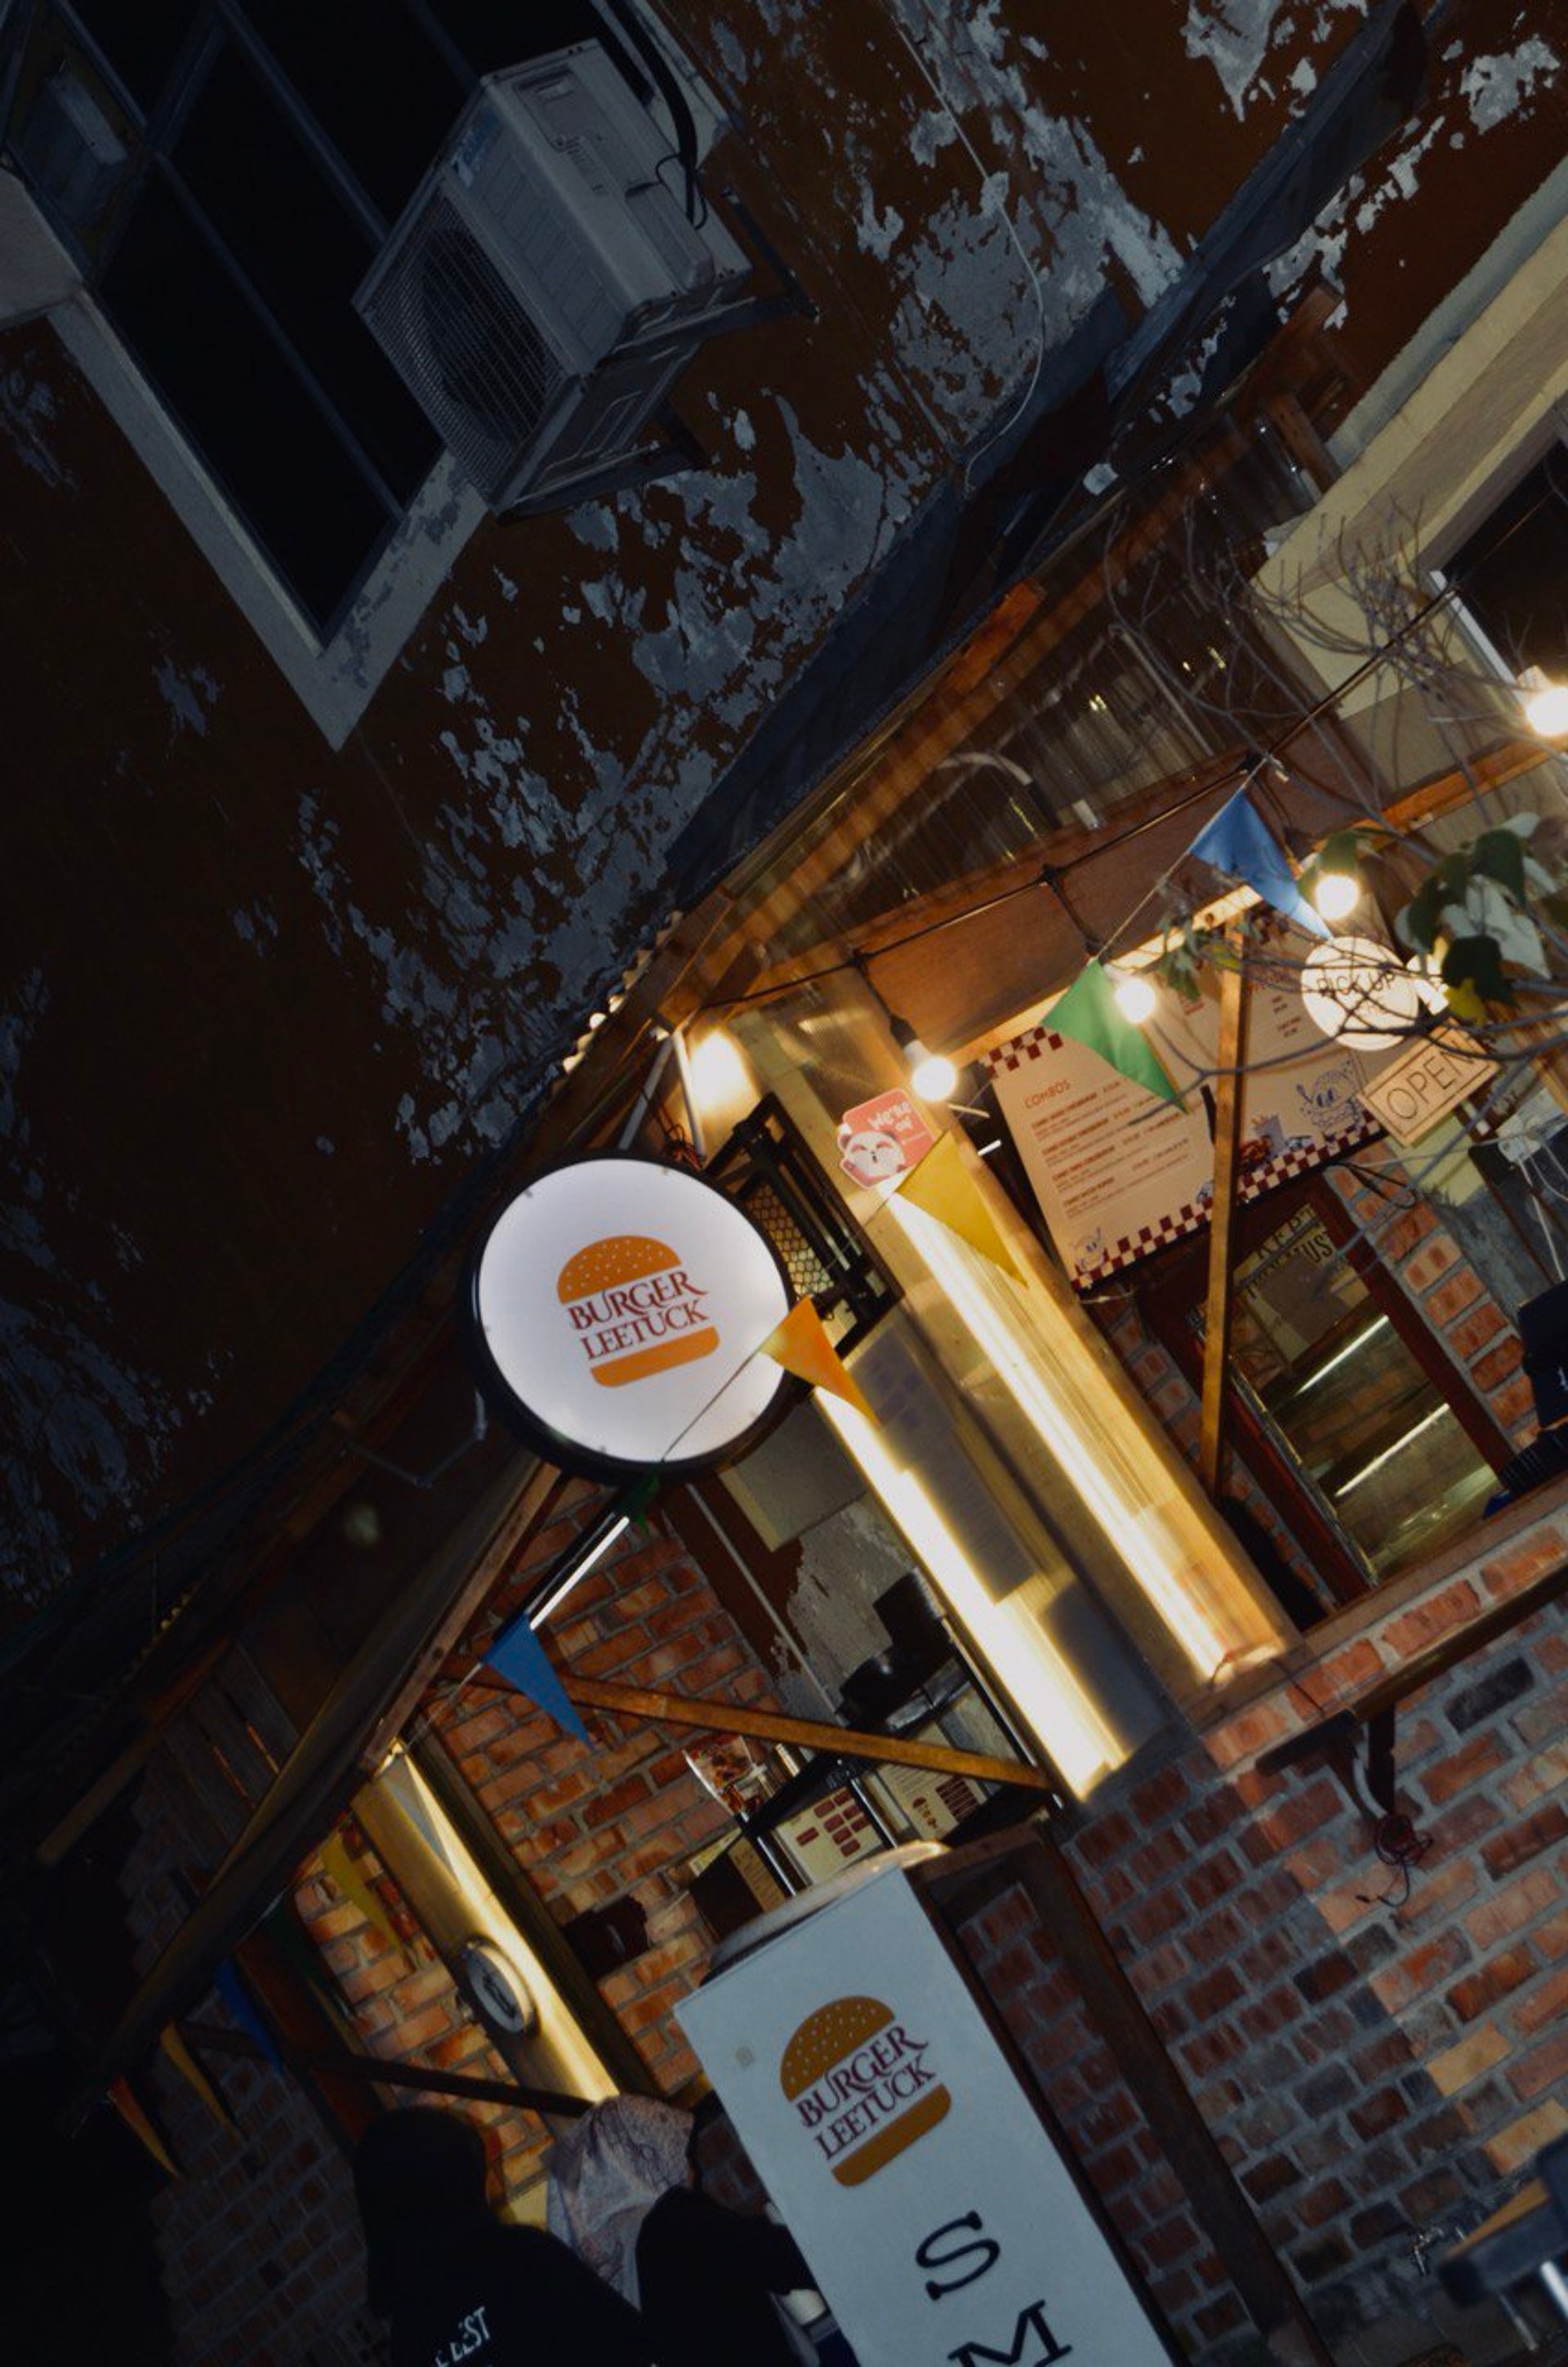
[960,2253]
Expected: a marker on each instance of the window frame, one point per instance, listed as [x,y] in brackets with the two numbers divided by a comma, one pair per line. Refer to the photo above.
[336,666]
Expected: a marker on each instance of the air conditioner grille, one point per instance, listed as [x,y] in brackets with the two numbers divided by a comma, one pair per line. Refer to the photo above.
[472,355]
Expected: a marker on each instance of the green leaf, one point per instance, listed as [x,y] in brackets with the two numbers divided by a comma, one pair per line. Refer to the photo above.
[1340,851]
[1476,964]
[1499,855]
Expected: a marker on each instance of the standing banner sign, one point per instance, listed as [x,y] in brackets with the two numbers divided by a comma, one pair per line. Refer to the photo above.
[939,2220]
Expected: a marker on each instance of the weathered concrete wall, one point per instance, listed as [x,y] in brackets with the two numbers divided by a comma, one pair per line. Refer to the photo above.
[264,1005]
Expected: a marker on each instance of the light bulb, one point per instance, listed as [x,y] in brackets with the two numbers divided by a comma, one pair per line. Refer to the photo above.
[1545,705]
[1135,998]
[1336,893]
[934,1077]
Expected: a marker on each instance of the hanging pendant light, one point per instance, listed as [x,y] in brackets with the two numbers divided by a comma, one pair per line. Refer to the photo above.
[932,1075]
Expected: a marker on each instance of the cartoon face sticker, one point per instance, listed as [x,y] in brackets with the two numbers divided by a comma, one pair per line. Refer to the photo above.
[868,1155]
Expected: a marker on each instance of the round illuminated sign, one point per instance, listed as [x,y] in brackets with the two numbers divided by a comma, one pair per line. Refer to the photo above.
[619,1305]
[1358,994]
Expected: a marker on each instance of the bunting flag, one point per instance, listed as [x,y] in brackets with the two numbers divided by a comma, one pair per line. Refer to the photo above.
[1087,1012]
[229,1984]
[173,2043]
[516,1654]
[943,1187]
[139,2123]
[800,1344]
[1238,840]
[352,1883]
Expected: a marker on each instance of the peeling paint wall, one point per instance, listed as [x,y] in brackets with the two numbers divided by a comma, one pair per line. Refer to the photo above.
[265,1004]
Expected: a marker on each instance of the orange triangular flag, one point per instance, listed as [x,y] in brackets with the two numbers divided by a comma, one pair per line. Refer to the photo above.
[943,1187]
[347,1878]
[140,2124]
[802,1346]
[173,2043]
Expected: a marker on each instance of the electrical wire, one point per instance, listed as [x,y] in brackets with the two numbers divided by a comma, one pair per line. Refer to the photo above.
[1241,776]
[986,178]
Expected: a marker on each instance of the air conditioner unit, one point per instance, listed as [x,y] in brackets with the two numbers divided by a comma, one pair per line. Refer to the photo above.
[545,286]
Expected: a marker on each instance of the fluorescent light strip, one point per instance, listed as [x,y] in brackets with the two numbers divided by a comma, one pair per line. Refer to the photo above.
[1334,1362]
[580,1570]
[1389,1451]
[1044,1688]
[1137,1533]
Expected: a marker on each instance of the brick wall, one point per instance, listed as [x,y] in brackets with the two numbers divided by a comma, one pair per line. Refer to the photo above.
[593,1826]
[258,2237]
[403,2004]
[1472,1965]
[1372,2065]
[1447,1293]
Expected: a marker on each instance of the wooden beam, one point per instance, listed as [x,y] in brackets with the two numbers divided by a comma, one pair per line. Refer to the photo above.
[535,1501]
[808,1734]
[371,2070]
[1234,996]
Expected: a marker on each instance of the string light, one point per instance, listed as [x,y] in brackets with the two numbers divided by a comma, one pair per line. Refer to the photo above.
[932,1075]
[1134,997]
[1336,893]
[1545,704]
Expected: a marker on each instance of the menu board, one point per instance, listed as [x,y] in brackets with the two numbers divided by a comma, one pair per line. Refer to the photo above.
[1119,1174]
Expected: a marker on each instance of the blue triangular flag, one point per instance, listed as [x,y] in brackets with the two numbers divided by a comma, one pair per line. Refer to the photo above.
[517,1654]
[231,1988]
[1239,841]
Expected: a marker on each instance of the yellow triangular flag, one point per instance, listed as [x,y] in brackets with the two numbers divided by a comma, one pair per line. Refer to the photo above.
[346,1877]
[137,2121]
[802,1346]
[943,1187]
[173,2043]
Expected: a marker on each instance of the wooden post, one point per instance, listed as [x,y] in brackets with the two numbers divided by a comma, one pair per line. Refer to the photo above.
[372,2071]
[1234,995]
[809,1733]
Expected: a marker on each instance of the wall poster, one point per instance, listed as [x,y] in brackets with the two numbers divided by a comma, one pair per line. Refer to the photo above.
[1118,1173]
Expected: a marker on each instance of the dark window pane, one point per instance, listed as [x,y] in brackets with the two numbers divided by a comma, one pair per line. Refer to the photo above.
[1512,572]
[240,404]
[279,216]
[380,88]
[495,34]
[140,38]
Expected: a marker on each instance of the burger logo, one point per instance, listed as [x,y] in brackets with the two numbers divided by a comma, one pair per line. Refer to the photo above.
[633,1309]
[859,2085]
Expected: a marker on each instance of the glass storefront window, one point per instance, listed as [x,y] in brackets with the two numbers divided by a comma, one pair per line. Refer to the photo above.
[1367,1426]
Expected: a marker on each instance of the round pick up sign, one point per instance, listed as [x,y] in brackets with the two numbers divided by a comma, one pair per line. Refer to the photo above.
[618,1306]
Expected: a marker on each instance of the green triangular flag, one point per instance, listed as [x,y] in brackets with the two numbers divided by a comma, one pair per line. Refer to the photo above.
[1087,1013]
